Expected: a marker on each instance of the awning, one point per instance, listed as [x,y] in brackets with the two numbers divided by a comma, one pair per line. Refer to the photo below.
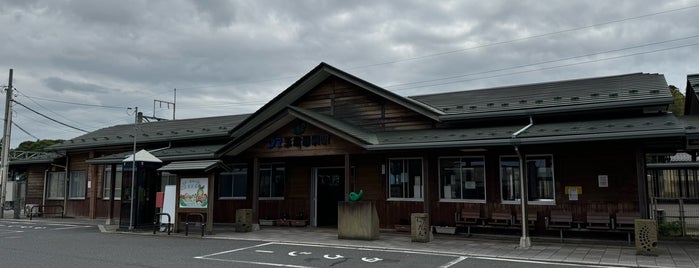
[205,165]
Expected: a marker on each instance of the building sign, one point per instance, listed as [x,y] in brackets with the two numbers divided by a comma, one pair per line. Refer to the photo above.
[194,193]
[299,140]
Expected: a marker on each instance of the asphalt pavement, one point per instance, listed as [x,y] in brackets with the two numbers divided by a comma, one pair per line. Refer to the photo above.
[590,252]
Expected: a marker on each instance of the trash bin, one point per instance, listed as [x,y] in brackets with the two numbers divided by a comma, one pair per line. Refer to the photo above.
[420,230]
[243,220]
[646,234]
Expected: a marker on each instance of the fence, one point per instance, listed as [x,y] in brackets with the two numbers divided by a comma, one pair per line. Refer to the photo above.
[676,215]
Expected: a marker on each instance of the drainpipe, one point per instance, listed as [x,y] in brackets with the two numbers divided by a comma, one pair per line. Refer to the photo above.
[66,183]
[524,241]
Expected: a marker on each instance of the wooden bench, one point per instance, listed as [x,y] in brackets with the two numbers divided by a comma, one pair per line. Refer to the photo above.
[559,220]
[500,218]
[532,217]
[598,221]
[467,218]
[625,222]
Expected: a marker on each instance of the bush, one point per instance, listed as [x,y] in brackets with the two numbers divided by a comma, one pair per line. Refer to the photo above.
[670,229]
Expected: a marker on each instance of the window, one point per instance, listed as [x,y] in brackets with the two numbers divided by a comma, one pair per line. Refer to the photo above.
[77,184]
[167,178]
[462,178]
[405,178]
[540,178]
[107,182]
[233,184]
[56,185]
[272,180]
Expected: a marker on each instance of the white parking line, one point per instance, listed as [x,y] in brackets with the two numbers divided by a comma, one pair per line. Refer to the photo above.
[258,248]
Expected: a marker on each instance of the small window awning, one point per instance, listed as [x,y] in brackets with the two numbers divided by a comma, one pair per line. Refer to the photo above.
[205,165]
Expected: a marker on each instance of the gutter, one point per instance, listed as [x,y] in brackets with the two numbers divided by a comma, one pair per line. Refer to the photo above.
[531,123]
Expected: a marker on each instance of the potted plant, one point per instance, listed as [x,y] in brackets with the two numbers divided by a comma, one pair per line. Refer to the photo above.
[283,221]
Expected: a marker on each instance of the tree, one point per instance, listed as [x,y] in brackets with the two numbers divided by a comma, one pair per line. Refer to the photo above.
[677,106]
[36,146]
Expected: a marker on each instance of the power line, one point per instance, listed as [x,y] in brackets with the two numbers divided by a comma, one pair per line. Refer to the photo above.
[49,118]
[51,111]
[23,130]
[552,67]
[74,103]
[542,62]
[519,39]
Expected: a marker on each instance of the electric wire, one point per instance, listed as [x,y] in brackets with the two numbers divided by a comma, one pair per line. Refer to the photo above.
[23,130]
[520,39]
[51,111]
[552,67]
[49,118]
[544,62]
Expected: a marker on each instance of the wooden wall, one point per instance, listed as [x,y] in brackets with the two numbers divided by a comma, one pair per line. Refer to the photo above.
[360,108]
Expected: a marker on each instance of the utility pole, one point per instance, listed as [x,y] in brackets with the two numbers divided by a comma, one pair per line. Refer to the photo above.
[6,144]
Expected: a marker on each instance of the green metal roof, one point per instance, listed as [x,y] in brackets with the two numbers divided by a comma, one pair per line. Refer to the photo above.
[169,154]
[665,125]
[611,92]
[162,131]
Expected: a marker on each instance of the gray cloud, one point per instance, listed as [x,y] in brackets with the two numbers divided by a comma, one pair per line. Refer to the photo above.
[228,57]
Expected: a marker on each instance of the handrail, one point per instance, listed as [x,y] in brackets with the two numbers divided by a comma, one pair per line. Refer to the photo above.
[32,210]
[201,221]
[156,222]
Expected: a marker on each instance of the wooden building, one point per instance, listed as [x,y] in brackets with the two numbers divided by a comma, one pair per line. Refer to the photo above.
[581,145]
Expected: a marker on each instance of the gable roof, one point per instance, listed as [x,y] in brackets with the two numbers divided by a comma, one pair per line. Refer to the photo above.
[162,131]
[309,81]
[611,92]
[691,100]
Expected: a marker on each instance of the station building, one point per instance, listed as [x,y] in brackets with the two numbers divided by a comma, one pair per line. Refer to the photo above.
[582,146]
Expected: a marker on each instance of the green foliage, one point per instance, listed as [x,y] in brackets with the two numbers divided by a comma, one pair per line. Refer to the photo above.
[670,228]
[677,106]
[36,146]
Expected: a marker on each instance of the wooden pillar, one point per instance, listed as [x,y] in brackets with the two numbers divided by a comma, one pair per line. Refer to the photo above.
[425,183]
[641,181]
[256,190]
[210,204]
[347,176]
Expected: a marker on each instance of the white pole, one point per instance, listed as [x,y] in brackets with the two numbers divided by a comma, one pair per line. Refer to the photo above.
[133,170]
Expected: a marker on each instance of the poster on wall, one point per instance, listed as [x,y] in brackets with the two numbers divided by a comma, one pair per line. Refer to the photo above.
[194,193]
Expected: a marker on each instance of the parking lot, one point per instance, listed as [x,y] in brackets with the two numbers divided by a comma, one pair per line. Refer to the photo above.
[9,227]
[304,255]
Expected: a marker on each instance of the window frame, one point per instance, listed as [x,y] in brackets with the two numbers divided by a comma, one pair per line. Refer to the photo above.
[83,185]
[517,201]
[106,182]
[61,184]
[272,166]
[463,200]
[233,178]
[422,176]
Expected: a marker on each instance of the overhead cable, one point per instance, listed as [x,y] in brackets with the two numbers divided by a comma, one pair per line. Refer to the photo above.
[49,118]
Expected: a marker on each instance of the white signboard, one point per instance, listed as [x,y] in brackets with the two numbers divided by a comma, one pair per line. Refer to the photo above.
[169,202]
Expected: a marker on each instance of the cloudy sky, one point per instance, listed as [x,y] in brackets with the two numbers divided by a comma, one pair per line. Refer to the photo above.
[83,63]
